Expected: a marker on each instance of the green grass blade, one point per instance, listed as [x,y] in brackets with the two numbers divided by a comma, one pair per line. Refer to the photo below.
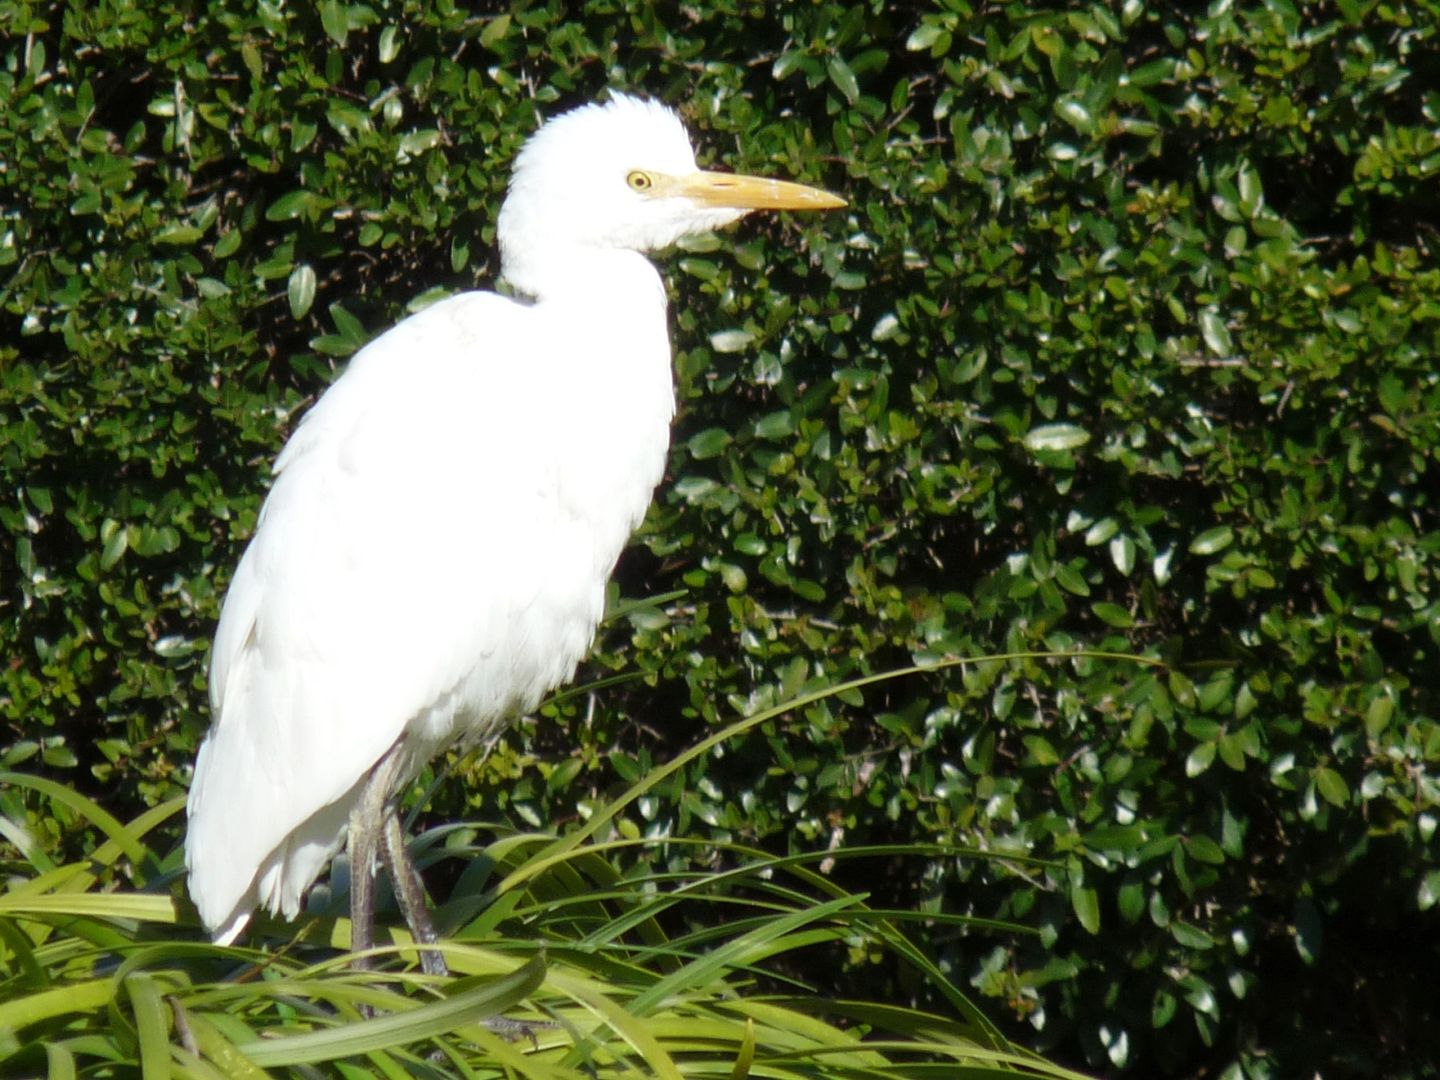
[152,1025]
[558,850]
[741,951]
[413,1025]
[633,1031]
[142,907]
[86,808]
[64,1000]
[746,1057]
[221,1052]
[61,1062]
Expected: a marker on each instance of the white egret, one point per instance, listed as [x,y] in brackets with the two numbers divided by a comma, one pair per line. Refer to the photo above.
[432,556]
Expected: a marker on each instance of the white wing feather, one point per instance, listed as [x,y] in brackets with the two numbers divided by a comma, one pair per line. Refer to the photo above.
[430,561]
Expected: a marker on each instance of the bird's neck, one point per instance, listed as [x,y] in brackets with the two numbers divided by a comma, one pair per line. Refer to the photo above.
[584,277]
[604,311]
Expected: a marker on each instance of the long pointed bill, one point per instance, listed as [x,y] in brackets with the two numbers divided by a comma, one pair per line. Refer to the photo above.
[740,192]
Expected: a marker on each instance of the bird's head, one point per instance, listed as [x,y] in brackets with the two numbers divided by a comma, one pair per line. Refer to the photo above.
[621,176]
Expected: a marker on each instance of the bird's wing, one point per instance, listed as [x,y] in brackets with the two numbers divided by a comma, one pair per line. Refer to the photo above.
[418,554]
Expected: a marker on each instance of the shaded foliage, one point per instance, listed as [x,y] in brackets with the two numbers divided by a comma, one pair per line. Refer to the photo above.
[1129,342]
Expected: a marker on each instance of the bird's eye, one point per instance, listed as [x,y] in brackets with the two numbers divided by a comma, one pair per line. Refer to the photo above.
[640,181]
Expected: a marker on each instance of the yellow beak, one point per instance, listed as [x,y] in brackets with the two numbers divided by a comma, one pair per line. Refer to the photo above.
[740,192]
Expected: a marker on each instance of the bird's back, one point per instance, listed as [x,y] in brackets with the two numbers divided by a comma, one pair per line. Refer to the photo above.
[431,560]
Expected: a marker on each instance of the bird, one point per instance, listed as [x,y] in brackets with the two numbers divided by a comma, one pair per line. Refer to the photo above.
[432,556]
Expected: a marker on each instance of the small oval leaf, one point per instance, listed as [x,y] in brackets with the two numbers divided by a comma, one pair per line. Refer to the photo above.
[731,341]
[301,290]
[1217,336]
[1086,904]
[1212,540]
[1113,615]
[1055,437]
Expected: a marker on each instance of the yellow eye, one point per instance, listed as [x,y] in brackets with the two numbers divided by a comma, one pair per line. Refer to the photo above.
[640,181]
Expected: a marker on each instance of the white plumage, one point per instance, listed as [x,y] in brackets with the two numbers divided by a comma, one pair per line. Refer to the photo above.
[432,557]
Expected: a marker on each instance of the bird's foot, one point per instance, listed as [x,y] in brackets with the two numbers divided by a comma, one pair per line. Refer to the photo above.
[514,1030]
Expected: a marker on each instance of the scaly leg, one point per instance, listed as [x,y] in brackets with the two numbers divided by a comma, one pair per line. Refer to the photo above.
[410,892]
[375,830]
[366,824]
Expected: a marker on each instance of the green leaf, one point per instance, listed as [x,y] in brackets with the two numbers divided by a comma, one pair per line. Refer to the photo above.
[1040,751]
[731,341]
[1115,838]
[1231,748]
[349,327]
[227,243]
[929,37]
[709,443]
[1072,580]
[334,17]
[179,235]
[1309,931]
[1378,714]
[777,425]
[1251,194]
[1332,787]
[1217,336]
[1086,904]
[1075,114]
[1122,554]
[1163,1009]
[750,544]
[1200,759]
[388,45]
[1429,892]
[415,143]
[301,290]
[295,204]
[843,78]
[1191,937]
[115,546]
[1131,901]
[1101,531]
[1113,615]
[1055,437]
[1202,849]
[1212,540]
[496,29]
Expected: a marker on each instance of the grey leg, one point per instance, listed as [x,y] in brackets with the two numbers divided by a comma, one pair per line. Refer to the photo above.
[375,831]
[410,892]
[366,822]
[362,842]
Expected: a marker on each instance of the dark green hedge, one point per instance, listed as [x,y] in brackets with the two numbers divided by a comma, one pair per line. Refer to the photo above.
[1127,342]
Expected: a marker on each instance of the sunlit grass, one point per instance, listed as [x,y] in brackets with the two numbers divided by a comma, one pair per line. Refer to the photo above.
[596,971]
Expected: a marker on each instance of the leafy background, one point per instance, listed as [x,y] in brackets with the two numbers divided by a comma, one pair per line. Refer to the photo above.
[1128,341]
